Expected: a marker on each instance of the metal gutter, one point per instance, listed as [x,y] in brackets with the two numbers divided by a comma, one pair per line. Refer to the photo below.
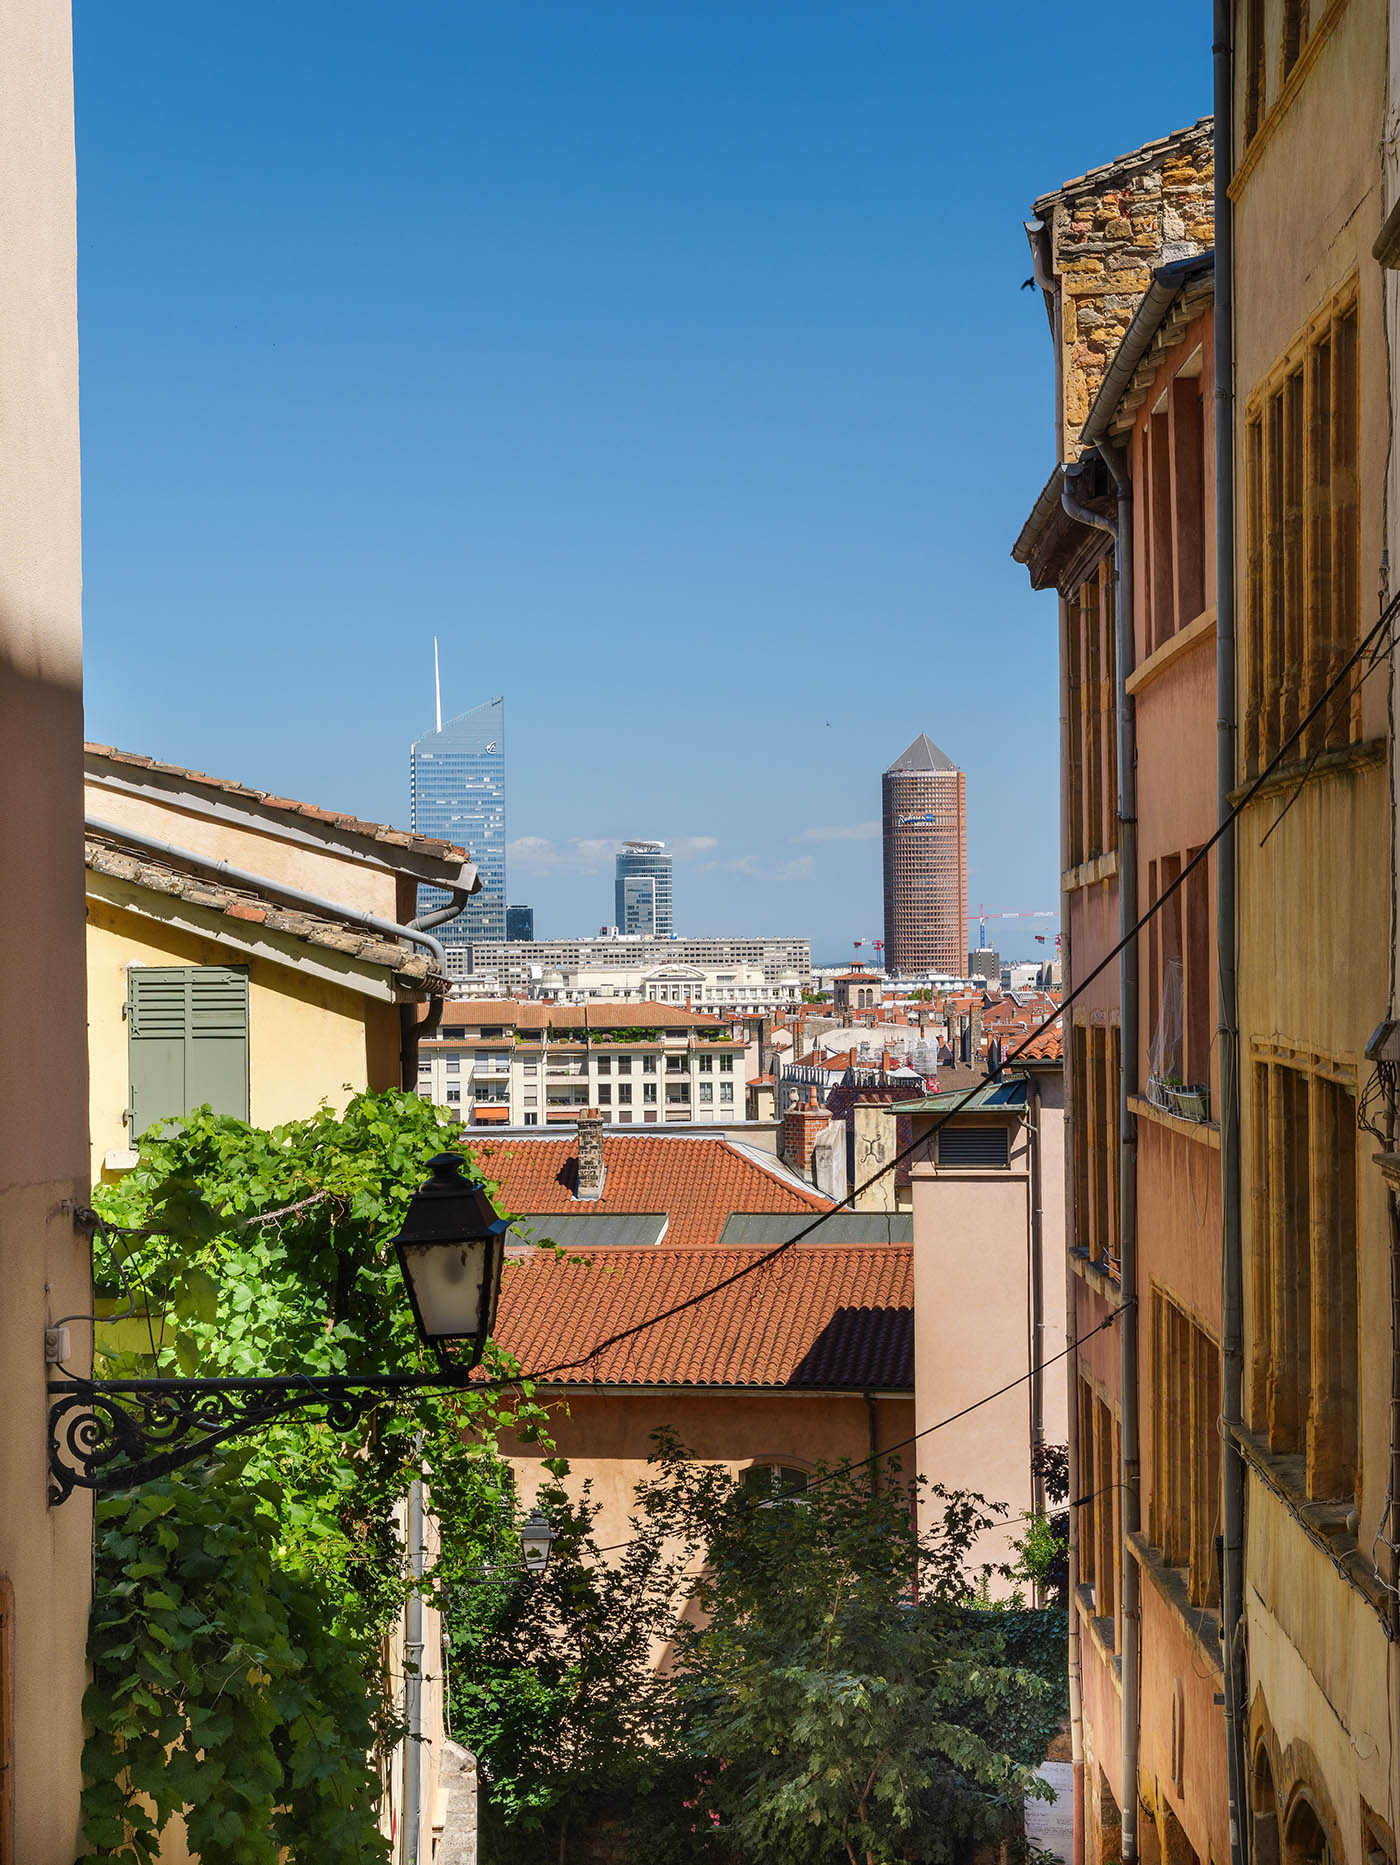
[1231,1232]
[1168,283]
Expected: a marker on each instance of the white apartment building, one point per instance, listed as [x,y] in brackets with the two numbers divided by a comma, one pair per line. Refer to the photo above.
[503,1062]
[731,988]
[511,967]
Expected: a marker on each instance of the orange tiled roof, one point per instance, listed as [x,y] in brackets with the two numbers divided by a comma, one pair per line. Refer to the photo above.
[819,1317]
[699,1182]
[378,831]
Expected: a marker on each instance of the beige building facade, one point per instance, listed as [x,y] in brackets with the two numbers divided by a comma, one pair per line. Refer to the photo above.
[45,1554]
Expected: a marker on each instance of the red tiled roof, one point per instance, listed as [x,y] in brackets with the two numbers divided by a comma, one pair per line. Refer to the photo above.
[378,831]
[1047,1047]
[699,1182]
[821,1316]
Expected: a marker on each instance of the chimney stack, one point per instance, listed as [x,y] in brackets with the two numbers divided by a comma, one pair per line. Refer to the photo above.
[588,1183]
[802,1123]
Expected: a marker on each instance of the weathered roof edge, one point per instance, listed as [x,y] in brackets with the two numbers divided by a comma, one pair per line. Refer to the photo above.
[1169,282]
[1132,159]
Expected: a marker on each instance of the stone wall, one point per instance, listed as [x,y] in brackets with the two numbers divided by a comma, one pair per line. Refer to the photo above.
[1109,230]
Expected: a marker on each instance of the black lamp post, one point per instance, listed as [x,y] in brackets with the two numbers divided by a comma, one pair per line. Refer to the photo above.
[107,1434]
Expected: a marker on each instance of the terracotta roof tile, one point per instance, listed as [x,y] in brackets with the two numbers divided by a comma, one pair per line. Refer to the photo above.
[377,831]
[525,1014]
[413,968]
[700,1182]
[821,1316]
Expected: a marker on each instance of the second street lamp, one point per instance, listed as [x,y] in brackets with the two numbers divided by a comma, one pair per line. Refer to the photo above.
[108,1434]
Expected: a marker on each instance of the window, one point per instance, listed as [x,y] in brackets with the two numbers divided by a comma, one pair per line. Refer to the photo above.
[453,1065]
[1096,1057]
[974,1146]
[624,1065]
[1304,1364]
[707,1091]
[648,1065]
[1100,1552]
[726,1065]
[726,1091]
[1184,1506]
[649,1091]
[624,1093]
[187,1041]
[1171,466]
[1093,768]
[1254,67]
[774,1480]
[677,1065]
[707,1065]
[604,1094]
[603,1064]
[532,1120]
[1295,32]
[454,1096]
[1302,538]
[1180,1027]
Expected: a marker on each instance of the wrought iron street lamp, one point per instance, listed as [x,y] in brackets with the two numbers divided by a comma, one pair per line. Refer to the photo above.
[107,1434]
[536,1541]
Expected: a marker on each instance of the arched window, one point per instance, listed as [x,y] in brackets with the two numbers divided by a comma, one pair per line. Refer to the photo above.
[1264,1812]
[1306,1842]
[773,1480]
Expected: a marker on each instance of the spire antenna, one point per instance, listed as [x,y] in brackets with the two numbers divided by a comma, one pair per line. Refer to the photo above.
[437,686]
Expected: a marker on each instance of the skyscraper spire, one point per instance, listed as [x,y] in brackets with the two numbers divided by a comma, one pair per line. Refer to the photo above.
[437,688]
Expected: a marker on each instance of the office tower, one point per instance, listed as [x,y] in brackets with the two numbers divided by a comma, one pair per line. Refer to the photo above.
[643,891]
[458,779]
[924,824]
[520,923]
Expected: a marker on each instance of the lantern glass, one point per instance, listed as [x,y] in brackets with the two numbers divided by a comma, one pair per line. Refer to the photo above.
[536,1541]
[450,1250]
[445,1280]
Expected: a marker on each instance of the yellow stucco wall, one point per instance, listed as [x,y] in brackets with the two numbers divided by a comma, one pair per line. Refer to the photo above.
[1314,904]
[309,1040]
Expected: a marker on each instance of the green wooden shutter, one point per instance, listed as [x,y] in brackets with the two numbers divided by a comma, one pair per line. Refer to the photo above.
[187,1041]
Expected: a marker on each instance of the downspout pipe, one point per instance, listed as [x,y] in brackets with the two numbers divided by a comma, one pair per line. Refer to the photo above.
[316,903]
[1072,1286]
[1035,1281]
[1227,1049]
[1130,1473]
[411,1836]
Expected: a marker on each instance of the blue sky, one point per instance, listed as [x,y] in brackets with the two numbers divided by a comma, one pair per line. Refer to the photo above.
[667,358]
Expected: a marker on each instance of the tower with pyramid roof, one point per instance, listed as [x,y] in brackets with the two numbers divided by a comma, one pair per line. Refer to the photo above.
[924,829]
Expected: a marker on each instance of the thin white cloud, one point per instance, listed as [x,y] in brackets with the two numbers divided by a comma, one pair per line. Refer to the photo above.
[841,832]
[689,845]
[588,854]
[798,869]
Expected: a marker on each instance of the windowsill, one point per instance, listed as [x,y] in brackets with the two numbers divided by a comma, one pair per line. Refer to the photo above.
[1203,1132]
[1324,1523]
[1101,1632]
[1171,650]
[1089,873]
[1326,764]
[1098,1275]
[1202,1623]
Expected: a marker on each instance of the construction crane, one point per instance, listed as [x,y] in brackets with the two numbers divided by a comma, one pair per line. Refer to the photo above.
[983,914]
[878,944]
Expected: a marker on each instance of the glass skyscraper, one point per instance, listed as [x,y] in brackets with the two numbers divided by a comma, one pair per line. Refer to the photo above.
[642,893]
[458,780]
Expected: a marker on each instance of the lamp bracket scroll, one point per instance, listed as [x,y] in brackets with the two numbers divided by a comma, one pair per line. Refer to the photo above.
[111,1434]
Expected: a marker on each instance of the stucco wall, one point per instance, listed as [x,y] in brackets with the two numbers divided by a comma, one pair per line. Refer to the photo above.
[44,1553]
[607,1438]
[308,1040]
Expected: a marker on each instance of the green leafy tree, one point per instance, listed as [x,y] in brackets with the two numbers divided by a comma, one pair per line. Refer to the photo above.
[249,1252]
[555,1684]
[810,1709]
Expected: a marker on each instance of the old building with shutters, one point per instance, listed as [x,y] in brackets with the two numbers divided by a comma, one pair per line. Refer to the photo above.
[247,952]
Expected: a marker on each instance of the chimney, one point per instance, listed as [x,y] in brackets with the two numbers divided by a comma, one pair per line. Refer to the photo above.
[803,1121]
[588,1183]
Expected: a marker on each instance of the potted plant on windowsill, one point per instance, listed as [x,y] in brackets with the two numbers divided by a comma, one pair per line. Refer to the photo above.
[1193,1101]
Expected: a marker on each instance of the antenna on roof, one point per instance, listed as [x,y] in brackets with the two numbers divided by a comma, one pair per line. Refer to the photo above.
[437,687]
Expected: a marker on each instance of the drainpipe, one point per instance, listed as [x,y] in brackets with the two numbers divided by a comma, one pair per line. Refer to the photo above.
[1075,1664]
[1231,1240]
[413,1685]
[1130,1473]
[1121,530]
[1035,1284]
[874,1437]
[415,932]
